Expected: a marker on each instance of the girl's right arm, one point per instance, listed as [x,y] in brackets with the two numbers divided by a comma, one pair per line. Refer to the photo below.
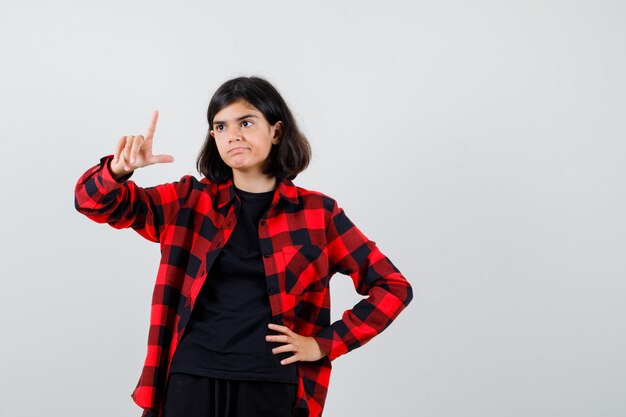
[105,194]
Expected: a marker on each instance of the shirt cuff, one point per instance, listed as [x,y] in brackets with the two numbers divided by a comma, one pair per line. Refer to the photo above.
[105,163]
[330,342]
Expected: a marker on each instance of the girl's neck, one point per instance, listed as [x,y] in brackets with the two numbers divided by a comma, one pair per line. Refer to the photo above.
[254,183]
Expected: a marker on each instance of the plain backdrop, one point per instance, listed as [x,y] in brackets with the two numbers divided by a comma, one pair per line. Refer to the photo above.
[480,144]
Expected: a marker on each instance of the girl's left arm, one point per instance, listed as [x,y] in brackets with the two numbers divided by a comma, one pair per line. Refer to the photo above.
[351,253]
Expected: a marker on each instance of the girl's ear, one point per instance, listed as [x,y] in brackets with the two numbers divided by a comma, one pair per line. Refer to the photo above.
[278,131]
[212,133]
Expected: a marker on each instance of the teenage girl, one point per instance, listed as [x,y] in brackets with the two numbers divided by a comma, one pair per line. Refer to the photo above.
[240,319]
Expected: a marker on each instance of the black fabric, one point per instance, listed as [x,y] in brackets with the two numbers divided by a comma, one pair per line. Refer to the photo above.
[225,336]
[190,395]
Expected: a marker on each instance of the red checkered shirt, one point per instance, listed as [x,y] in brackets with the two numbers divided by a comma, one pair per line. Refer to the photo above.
[305,238]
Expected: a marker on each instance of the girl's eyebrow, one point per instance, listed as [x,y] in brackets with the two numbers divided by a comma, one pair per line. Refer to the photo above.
[245,116]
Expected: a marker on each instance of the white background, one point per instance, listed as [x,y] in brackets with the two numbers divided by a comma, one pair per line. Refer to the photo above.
[479,144]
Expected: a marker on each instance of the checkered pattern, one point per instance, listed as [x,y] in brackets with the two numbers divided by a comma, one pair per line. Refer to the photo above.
[305,238]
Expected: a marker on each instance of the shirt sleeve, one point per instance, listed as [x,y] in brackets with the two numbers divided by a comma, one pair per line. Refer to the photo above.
[122,204]
[351,253]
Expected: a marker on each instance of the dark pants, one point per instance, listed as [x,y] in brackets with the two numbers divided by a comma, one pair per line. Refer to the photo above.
[198,396]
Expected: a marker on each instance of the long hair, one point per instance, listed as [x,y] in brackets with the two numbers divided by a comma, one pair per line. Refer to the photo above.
[286,159]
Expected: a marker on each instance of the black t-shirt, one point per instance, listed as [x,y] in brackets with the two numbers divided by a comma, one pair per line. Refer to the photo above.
[225,336]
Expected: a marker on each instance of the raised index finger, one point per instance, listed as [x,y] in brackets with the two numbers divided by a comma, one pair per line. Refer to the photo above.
[152,126]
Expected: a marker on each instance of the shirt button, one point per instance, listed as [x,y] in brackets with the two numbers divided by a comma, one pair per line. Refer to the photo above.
[267,255]
[262,222]
[272,290]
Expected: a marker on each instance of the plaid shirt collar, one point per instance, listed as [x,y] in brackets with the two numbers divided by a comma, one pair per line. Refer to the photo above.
[285,190]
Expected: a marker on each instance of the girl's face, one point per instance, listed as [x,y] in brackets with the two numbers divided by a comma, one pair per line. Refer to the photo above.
[244,137]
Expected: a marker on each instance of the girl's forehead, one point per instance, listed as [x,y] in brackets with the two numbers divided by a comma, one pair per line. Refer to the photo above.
[235,110]
[238,105]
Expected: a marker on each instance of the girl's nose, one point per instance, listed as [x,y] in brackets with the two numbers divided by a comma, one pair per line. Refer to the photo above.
[234,133]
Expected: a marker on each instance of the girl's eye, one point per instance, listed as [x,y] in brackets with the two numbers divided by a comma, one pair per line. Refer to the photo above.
[218,127]
[246,121]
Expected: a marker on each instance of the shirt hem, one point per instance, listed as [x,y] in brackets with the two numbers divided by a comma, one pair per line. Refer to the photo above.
[211,373]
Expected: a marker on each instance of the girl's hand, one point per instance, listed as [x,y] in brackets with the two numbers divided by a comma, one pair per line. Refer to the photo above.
[134,152]
[305,347]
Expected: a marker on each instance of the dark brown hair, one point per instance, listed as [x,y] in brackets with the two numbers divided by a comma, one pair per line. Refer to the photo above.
[286,159]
